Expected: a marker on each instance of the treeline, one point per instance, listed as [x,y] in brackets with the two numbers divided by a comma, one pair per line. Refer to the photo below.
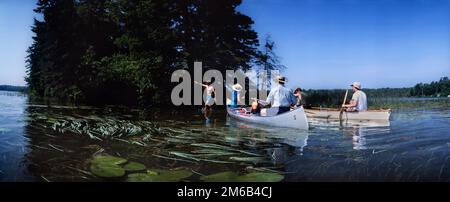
[13,88]
[334,98]
[433,89]
[124,52]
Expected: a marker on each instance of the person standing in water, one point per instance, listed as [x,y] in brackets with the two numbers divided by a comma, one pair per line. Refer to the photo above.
[210,97]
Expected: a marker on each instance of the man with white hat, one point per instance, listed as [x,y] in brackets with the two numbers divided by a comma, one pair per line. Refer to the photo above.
[281,97]
[359,99]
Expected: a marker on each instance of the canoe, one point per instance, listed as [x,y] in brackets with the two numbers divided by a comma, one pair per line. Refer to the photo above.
[328,113]
[293,119]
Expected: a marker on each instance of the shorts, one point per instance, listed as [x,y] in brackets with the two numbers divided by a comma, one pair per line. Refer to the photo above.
[209,100]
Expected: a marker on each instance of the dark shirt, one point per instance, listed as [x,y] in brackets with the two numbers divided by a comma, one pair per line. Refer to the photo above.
[301,102]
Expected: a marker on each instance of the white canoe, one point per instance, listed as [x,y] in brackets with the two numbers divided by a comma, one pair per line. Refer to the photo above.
[327,113]
[292,119]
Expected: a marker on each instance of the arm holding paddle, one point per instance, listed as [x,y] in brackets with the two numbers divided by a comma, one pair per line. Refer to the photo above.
[352,104]
[204,85]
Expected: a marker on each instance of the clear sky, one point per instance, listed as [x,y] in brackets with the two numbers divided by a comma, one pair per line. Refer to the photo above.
[381,43]
[16,19]
[324,43]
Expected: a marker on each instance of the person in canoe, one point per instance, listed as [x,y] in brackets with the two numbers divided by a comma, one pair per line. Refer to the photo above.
[281,97]
[359,99]
[301,100]
[235,97]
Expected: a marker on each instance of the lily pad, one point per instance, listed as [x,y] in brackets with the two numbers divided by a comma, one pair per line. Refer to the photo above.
[107,166]
[134,166]
[221,177]
[108,160]
[140,177]
[250,177]
[107,170]
[262,177]
[158,175]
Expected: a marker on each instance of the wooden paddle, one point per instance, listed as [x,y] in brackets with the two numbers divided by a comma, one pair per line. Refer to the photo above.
[342,107]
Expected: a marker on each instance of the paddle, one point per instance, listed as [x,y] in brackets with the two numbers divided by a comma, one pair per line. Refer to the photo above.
[342,107]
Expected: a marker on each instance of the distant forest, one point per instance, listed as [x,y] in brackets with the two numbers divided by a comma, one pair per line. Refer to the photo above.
[434,89]
[335,97]
[13,88]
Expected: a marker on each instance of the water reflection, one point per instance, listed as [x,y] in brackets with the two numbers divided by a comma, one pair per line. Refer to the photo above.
[55,144]
[287,142]
[359,131]
[207,114]
[13,144]
[293,137]
[358,137]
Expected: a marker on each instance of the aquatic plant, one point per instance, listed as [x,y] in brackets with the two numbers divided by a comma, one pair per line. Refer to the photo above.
[107,166]
[95,127]
[171,140]
[108,160]
[134,166]
[159,175]
[229,176]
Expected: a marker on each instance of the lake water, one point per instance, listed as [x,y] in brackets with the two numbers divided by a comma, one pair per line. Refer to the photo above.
[56,144]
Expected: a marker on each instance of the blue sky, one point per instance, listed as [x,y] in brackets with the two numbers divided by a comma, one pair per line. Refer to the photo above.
[381,43]
[16,19]
[324,43]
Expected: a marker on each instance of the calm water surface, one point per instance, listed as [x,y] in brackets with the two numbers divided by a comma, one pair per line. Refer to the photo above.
[56,144]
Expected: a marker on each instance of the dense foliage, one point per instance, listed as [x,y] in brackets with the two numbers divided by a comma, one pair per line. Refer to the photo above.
[123,52]
[435,88]
[334,98]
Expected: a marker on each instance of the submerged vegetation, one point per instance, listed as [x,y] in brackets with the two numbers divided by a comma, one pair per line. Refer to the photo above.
[107,166]
[168,141]
[159,175]
[114,167]
[173,150]
[250,177]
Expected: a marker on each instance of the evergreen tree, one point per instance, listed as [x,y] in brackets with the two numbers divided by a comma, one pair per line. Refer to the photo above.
[267,61]
[123,52]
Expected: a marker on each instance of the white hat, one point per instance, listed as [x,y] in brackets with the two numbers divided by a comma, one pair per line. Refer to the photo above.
[357,85]
[237,87]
